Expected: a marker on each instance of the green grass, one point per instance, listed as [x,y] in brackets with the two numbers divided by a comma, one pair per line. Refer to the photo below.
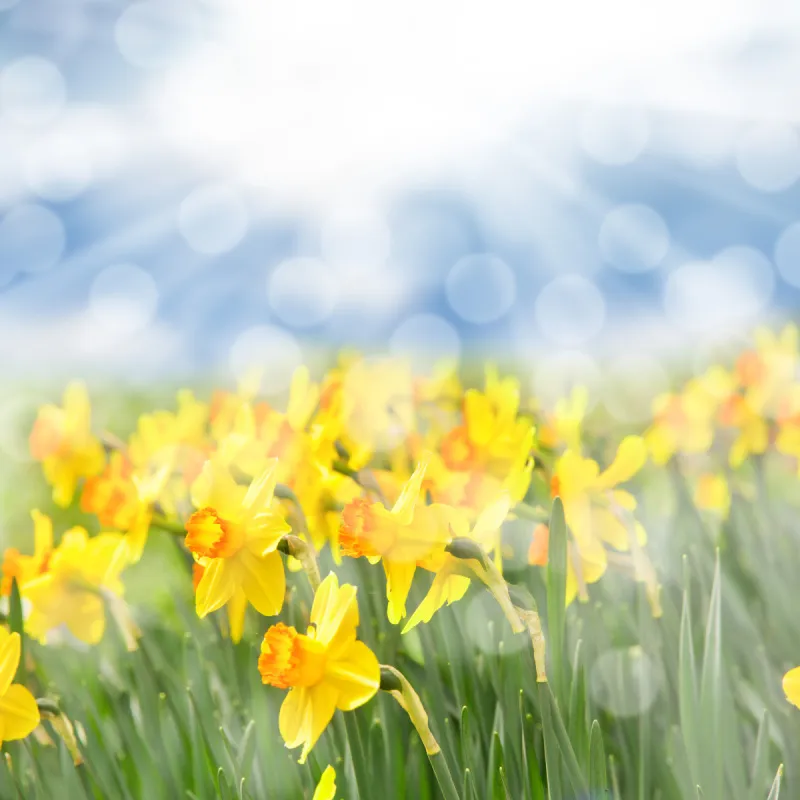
[688,705]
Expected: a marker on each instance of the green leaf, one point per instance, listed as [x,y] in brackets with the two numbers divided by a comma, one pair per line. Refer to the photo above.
[468,786]
[16,623]
[711,681]
[760,772]
[687,691]
[496,790]
[598,780]
[775,791]
[556,577]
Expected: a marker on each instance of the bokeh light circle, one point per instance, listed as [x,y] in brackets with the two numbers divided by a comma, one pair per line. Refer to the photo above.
[425,340]
[481,288]
[570,310]
[633,238]
[303,291]
[213,219]
[630,384]
[768,157]
[123,299]
[32,91]
[625,681]
[712,296]
[150,33]
[787,254]
[355,236]
[614,136]
[32,239]
[272,350]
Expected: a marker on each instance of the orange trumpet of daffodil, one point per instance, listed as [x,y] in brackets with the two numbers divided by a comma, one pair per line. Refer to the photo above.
[234,536]
[19,714]
[325,668]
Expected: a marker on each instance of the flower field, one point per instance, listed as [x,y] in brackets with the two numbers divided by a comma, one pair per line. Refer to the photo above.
[391,586]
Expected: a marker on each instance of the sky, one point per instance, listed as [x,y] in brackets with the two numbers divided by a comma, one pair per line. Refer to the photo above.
[190,186]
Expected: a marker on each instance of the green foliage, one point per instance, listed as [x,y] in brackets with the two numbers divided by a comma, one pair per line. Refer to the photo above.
[684,706]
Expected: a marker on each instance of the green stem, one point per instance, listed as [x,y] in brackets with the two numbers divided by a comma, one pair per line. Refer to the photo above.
[443,776]
[357,755]
[167,525]
[536,513]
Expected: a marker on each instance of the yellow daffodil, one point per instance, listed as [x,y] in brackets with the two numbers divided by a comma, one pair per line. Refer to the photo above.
[450,583]
[751,429]
[491,434]
[82,571]
[19,714]
[123,499]
[26,568]
[234,535]
[591,503]
[791,686]
[177,442]
[326,668]
[563,426]
[401,538]
[62,440]
[712,494]
[326,788]
[684,423]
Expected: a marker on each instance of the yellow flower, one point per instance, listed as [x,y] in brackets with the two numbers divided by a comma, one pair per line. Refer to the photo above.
[26,568]
[589,498]
[326,668]
[712,494]
[234,535]
[684,423]
[791,686]
[449,583]
[401,538]
[62,440]
[563,426]
[491,436]
[175,441]
[19,714]
[71,592]
[753,432]
[326,788]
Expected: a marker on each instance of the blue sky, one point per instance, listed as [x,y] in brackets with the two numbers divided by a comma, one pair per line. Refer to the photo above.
[187,186]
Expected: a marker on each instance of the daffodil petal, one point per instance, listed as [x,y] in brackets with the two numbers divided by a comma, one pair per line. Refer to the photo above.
[263,582]
[356,674]
[326,788]
[399,576]
[791,686]
[18,711]
[216,587]
[630,458]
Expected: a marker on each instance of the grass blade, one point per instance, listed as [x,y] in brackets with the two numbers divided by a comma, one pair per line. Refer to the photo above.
[556,577]
[598,780]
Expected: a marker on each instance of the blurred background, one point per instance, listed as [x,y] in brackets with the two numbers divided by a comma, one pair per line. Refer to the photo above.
[188,186]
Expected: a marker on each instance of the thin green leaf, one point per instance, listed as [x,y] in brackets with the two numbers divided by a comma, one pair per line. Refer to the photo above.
[598,780]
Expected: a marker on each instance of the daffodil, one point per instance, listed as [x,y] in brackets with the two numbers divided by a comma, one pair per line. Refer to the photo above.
[490,436]
[401,537]
[326,788]
[324,669]
[19,714]
[62,440]
[591,505]
[234,535]
[563,426]
[791,686]
[81,573]
[23,567]
[449,582]
[712,494]
[177,442]
[684,423]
